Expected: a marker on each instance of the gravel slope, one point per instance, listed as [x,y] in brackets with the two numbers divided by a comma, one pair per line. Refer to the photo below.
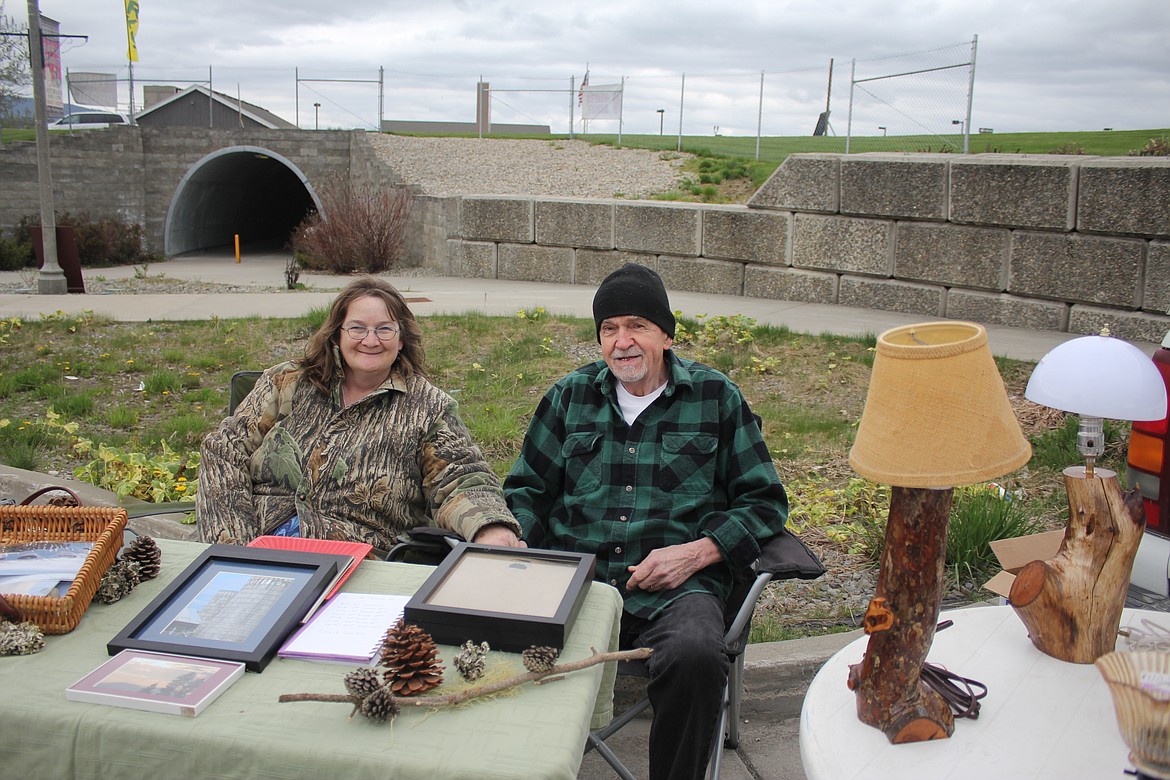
[554,168]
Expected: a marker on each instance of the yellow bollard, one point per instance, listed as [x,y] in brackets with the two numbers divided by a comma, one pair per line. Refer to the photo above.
[237,247]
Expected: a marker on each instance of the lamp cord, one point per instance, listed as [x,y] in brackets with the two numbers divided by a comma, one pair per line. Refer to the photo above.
[957,691]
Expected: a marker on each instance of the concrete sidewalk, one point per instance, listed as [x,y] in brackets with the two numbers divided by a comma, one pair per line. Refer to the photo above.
[453,295]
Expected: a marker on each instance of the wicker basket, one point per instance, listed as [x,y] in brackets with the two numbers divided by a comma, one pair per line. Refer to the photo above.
[101,525]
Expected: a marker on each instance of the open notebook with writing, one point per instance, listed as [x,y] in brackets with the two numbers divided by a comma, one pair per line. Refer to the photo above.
[348,629]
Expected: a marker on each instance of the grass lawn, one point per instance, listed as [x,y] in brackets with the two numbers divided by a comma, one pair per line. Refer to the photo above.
[125,405]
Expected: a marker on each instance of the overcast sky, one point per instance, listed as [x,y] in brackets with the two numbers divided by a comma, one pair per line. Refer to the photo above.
[1040,65]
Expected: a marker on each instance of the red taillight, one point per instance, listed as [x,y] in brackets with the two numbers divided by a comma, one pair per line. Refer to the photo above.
[1149,458]
[1153,516]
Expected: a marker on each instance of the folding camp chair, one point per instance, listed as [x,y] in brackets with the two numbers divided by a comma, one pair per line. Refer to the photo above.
[242,383]
[782,557]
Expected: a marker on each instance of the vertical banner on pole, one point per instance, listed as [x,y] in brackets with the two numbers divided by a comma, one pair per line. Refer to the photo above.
[132,30]
[51,48]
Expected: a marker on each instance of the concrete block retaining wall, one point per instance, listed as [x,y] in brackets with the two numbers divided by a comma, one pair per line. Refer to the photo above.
[1050,242]
[1055,242]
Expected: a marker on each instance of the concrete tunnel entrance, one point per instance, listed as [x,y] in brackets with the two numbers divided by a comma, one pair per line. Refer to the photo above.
[241,190]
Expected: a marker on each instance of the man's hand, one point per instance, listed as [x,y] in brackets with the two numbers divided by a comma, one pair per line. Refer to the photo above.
[670,567]
[499,535]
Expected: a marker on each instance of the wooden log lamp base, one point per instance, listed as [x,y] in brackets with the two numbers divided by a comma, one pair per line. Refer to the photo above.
[1071,604]
[901,620]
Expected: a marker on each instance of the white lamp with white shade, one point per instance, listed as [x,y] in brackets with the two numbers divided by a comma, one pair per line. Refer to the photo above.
[1072,603]
[1098,377]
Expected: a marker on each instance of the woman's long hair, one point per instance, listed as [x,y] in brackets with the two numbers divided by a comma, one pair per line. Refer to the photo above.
[320,366]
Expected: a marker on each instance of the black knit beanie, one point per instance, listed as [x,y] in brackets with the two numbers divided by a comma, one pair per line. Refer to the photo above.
[633,290]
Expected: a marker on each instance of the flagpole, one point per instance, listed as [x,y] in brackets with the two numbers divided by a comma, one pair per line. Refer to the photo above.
[131,46]
[581,102]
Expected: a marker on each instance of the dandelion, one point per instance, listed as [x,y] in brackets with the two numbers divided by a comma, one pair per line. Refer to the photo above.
[180,488]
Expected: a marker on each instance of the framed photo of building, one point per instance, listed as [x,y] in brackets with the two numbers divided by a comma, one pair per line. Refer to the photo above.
[232,603]
[510,597]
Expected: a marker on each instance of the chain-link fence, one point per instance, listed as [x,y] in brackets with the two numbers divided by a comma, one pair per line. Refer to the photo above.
[918,102]
[911,102]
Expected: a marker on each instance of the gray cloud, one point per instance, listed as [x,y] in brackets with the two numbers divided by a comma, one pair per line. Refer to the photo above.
[1042,65]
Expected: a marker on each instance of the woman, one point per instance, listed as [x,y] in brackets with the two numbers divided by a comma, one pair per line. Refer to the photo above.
[350,442]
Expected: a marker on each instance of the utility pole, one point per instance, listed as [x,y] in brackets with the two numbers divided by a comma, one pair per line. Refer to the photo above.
[51,279]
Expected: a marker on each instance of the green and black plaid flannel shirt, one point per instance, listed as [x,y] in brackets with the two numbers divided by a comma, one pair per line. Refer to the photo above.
[693,464]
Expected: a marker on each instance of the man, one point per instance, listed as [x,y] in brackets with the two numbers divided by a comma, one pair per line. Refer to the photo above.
[657,466]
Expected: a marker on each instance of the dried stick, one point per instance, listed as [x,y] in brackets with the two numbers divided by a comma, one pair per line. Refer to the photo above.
[484,690]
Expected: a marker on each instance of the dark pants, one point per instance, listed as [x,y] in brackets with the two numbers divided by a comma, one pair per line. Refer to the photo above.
[688,671]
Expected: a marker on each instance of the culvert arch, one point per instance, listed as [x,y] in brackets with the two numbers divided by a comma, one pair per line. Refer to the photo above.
[249,191]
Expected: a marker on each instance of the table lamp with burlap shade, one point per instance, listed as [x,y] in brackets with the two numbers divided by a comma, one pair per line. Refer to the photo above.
[936,416]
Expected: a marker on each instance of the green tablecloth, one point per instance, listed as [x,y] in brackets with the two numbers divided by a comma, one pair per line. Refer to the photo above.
[537,733]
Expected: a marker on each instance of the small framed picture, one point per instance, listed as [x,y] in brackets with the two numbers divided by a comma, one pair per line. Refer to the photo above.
[232,603]
[510,597]
[156,682]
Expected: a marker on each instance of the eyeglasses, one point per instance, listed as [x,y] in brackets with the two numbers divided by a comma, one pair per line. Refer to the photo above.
[383,332]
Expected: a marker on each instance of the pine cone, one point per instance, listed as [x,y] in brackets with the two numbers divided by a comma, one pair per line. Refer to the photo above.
[21,638]
[408,655]
[146,554]
[118,581]
[65,500]
[539,659]
[379,706]
[362,682]
[470,661]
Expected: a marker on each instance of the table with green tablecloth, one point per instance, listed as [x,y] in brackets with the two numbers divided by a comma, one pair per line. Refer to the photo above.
[537,731]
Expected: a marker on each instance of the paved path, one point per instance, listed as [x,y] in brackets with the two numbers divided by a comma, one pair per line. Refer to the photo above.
[445,294]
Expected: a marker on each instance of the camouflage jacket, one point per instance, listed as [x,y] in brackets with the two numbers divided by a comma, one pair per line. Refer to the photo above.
[399,458]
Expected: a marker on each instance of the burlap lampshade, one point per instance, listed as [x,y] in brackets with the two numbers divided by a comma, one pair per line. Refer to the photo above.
[937,414]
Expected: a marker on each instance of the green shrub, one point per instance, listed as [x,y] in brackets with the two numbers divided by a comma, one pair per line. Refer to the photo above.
[1155,147]
[101,241]
[15,255]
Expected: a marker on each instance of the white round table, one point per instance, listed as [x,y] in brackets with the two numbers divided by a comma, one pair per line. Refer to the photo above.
[1041,718]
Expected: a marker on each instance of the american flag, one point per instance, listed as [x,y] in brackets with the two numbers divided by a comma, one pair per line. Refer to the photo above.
[581,92]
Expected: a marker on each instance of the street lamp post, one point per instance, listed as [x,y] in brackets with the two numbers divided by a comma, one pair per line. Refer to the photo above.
[883,129]
[51,277]
[316,116]
[661,111]
[962,123]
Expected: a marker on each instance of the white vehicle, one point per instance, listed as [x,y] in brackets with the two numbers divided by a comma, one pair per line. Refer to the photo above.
[89,120]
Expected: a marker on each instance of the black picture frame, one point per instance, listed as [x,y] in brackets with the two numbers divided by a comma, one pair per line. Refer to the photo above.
[202,611]
[510,597]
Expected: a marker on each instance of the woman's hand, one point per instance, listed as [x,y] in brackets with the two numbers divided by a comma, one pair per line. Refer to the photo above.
[499,535]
